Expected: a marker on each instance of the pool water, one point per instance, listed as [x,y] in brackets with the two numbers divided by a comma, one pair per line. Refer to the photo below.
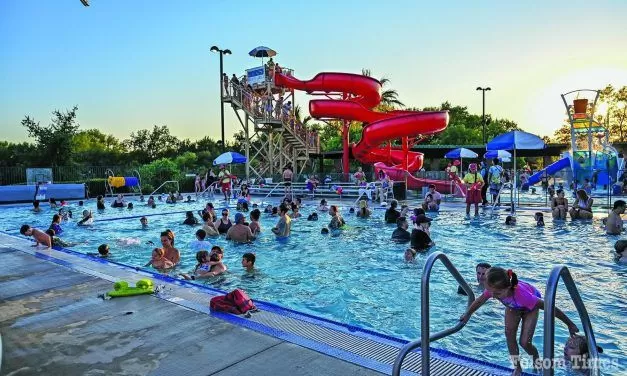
[360,277]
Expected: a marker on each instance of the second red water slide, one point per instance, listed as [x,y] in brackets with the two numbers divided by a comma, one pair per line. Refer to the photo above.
[362,93]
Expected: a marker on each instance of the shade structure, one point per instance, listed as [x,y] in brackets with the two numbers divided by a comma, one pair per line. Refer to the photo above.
[228,158]
[515,140]
[460,153]
[262,51]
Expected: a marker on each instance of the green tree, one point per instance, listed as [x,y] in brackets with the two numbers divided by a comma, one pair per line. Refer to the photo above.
[92,147]
[615,115]
[389,97]
[54,141]
[22,154]
[147,145]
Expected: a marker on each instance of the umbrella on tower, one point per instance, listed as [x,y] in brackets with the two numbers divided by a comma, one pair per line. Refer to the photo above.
[262,51]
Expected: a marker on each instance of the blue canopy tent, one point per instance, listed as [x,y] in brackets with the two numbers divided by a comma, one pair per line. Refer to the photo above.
[461,153]
[515,140]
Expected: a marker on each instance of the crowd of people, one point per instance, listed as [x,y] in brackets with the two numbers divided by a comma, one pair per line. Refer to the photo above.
[521,299]
[262,101]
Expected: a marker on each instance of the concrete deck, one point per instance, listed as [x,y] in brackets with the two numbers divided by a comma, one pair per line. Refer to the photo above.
[53,323]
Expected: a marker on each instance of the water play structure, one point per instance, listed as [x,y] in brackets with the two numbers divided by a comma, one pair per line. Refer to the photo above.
[591,157]
[352,97]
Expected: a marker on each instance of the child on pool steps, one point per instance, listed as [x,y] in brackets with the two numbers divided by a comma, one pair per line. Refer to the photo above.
[523,303]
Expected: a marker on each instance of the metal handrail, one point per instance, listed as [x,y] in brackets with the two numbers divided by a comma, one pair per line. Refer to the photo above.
[164,183]
[549,320]
[425,338]
[498,196]
[272,190]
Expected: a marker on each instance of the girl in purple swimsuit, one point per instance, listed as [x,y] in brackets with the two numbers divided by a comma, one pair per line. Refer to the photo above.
[522,302]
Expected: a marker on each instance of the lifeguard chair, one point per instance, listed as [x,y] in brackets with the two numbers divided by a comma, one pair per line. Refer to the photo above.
[113,182]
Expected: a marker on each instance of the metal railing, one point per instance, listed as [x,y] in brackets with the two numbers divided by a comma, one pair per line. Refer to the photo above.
[498,197]
[272,190]
[561,271]
[164,183]
[425,337]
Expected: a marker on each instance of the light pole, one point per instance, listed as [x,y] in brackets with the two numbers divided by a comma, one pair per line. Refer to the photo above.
[222,88]
[483,90]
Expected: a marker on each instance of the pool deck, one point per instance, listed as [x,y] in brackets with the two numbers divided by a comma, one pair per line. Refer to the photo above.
[53,321]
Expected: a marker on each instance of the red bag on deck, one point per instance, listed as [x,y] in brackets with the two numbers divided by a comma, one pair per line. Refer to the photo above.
[237,302]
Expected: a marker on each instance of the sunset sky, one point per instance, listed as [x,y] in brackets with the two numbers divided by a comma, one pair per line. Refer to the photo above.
[130,64]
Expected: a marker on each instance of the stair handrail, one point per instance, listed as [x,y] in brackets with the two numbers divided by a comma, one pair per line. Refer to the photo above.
[498,196]
[425,337]
[164,183]
[561,271]
[272,190]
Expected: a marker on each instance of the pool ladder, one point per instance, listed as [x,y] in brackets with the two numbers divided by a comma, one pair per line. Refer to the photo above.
[560,271]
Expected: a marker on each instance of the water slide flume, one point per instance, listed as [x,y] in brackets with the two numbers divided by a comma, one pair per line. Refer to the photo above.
[361,94]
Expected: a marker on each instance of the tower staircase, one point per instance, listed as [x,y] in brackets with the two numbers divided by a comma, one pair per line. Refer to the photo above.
[276,138]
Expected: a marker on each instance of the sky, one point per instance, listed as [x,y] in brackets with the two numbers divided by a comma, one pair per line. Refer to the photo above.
[129,65]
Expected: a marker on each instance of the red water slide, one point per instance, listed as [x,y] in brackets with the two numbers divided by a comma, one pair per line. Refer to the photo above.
[361,93]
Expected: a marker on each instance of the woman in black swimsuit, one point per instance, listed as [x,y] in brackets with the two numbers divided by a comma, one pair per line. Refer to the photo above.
[224,223]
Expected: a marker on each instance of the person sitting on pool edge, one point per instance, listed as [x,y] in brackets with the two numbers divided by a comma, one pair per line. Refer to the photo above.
[39,236]
[400,234]
[420,235]
[614,222]
[481,272]
[240,232]
[391,214]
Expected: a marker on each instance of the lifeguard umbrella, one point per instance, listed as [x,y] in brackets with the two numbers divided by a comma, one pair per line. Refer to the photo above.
[262,51]
[228,158]
[461,153]
[515,140]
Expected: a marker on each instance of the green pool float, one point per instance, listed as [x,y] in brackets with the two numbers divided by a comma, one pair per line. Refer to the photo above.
[142,287]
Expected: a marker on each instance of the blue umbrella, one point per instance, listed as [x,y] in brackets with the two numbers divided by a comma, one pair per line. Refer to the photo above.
[516,140]
[262,51]
[228,158]
[460,153]
[500,154]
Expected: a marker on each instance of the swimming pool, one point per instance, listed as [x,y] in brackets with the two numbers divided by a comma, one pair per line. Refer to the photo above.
[360,278]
